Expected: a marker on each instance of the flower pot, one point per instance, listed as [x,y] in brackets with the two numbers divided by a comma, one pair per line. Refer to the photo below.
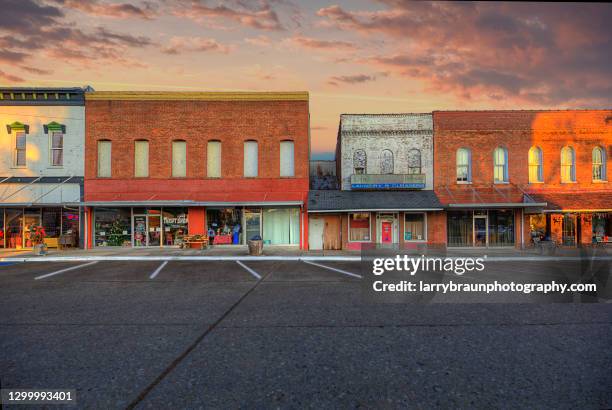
[40,249]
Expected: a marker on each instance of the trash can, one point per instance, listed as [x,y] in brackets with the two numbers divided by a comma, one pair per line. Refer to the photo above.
[255,246]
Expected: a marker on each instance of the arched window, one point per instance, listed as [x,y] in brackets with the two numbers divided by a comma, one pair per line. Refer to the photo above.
[599,164]
[359,162]
[535,165]
[500,165]
[414,161]
[464,165]
[386,162]
[568,165]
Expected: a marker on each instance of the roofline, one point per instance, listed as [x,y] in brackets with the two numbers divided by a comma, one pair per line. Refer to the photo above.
[197,96]
[547,211]
[386,114]
[534,110]
[318,211]
[498,205]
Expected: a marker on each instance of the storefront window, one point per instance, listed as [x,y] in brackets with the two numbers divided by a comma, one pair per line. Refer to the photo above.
[414,227]
[52,222]
[359,227]
[537,226]
[14,228]
[2,244]
[31,220]
[112,227]
[175,225]
[602,227]
[224,226]
[460,225]
[281,226]
[501,227]
[70,227]
[568,229]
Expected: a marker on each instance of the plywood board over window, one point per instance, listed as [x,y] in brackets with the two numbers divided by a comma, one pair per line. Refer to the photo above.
[250,158]
[141,159]
[213,159]
[287,168]
[104,159]
[179,158]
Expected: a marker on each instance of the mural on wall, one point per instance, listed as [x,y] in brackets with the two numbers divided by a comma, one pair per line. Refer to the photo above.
[386,162]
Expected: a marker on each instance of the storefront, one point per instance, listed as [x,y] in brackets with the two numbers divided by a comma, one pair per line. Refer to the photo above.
[481,228]
[572,228]
[602,227]
[60,225]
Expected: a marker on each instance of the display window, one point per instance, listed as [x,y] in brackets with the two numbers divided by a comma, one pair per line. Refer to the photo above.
[224,226]
[414,227]
[281,226]
[602,227]
[175,225]
[460,228]
[359,227]
[501,227]
[112,227]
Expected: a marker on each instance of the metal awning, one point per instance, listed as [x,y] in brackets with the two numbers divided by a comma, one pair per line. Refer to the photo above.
[38,204]
[189,203]
[375,210]
[499,205]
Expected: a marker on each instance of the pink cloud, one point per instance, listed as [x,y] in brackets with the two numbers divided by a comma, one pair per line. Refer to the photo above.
[10,77]
[179,45]
[261,16]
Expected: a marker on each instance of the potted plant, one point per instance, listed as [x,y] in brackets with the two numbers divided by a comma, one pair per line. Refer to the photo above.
[37,238]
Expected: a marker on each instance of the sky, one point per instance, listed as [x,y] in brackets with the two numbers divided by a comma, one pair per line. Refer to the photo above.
[353,56]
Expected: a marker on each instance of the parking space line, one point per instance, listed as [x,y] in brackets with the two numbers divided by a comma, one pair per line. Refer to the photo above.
[64,270]
[251,271]
[159,269]
[334,269]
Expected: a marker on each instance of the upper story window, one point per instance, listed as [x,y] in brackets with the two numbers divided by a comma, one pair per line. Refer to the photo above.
[141,158]
[57,148]
[213,159]
[599,164]
[250,158]
[359,162]
[19,157]
[535,165]
[568,164]
[104,158]
[287,167]
[179,158]
[386,162]
[500,165]
[414,161]
[464,165]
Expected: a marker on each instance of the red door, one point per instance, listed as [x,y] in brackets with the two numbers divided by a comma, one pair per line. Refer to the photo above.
[387,232]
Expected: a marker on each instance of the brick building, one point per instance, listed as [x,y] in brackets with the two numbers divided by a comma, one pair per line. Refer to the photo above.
[385,169]
[160,165]
[506,177]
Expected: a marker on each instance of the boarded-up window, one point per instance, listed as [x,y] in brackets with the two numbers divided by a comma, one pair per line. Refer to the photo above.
[179,158]
[57,149]
[386,162]
[250,159]
[287,168]
[20,149]
[104,159]
[141,159]
[414,161]
[213,158]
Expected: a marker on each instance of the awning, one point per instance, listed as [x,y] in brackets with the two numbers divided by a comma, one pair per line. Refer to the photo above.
[188,203]
[381,201]
[500,205]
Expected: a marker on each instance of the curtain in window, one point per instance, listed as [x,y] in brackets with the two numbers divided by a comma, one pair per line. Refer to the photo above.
[500,167]
[567,164]
[141,159]
[287,168]
[213,159]
[104,158]
[460,226]
[281,226]
[250,159]
[179,158]
[57,149]
[598,164]
[463,164]
[359,227]
[535,164]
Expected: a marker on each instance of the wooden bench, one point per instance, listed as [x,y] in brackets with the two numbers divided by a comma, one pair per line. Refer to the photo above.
[195,242]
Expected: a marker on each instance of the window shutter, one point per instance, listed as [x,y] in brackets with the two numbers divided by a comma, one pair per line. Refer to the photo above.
[213,159]
[287,168]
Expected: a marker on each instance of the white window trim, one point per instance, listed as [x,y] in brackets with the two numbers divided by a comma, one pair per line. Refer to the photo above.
[51,149]
[469,166]
[506,172]
[604,170]
[15,151]
[424,227]
[540,165]
[369,229]
[572,166]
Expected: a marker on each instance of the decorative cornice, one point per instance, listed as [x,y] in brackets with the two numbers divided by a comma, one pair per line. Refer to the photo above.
[379,133]
[196,96]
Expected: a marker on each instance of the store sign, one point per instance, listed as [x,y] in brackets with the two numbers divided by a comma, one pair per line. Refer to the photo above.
[180,219]
[411,185]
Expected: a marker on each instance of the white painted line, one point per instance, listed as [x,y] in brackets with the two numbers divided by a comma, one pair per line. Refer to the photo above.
[57,272]
[251,271]
[334,269]
[159,269]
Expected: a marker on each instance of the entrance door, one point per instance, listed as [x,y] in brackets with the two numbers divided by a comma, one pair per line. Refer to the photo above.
[480,231]
[140,230]
[154,228]
[315,233]
[386,232]
[331,233]
[252,222]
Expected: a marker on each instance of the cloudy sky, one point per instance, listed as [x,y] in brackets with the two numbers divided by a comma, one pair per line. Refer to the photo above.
[354,56]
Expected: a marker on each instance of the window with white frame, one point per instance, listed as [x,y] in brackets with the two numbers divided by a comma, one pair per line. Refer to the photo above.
[500,165]
[599,164]
[141,158]
[179,158]
[535,165]
[19,157]
[568,165]
[287,168]
[104,158]
[250,159]
[57,148]
[464,165]
[359,227]
[414,227]
[213,159]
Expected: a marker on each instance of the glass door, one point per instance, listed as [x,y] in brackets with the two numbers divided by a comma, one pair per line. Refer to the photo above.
[252,222]
[140,230]
[154,228]
[480,231]
[31,221]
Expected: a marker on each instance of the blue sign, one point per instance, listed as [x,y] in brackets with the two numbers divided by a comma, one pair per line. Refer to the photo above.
[413,185]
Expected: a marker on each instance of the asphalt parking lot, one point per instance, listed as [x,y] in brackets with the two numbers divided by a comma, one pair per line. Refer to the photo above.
[190,334]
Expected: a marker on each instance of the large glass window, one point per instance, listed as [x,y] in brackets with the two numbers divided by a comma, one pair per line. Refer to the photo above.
[250,158]
[414,227]
[2,235]
[52,222]
[568,229]
[175,225]
[224,226]
[112,227]
[602,227]
[20,149]
[287,168]
[141,159]
[464,166]
[213,159]
[460,228]
[599,164]
[359,227]
[31,220]
[14,228]
[281,226]
[57,149]
[500,165]
[70,226]
[179,158]
[104,159]
[501,227]
[535,165]
[537,226]
[568,165]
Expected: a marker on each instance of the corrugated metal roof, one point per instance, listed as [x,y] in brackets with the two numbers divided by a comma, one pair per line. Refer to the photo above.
[379,200]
